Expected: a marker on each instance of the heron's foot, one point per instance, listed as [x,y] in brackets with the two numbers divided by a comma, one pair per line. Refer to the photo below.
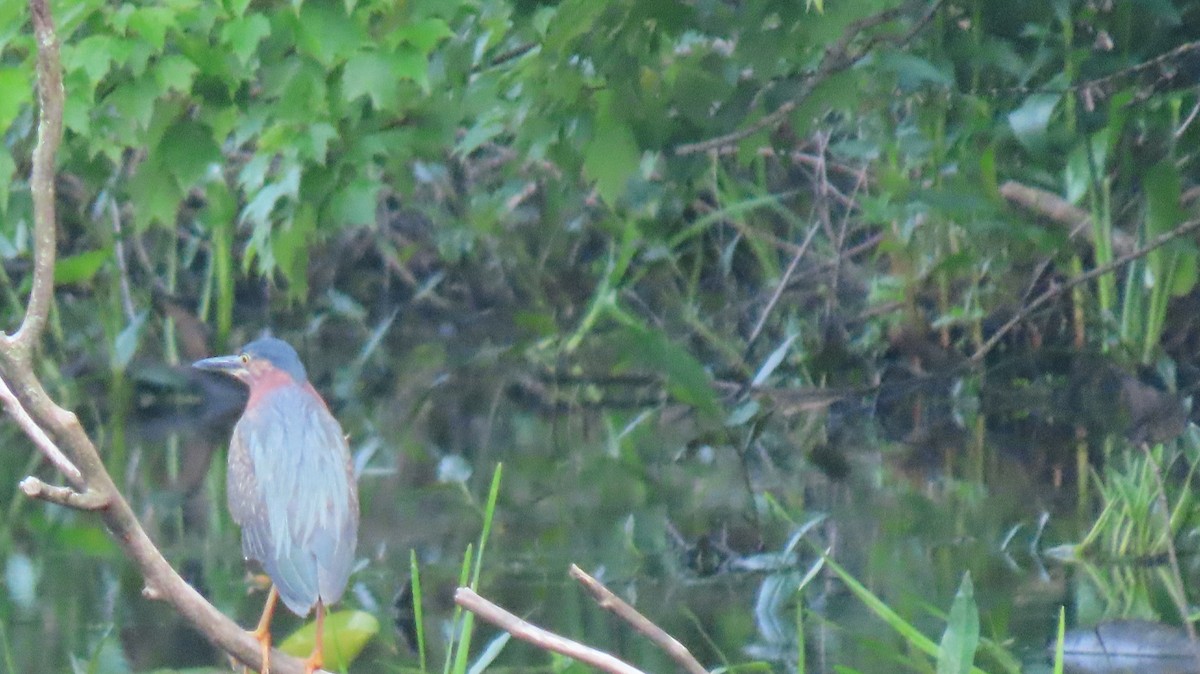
[314,661]
[263,636]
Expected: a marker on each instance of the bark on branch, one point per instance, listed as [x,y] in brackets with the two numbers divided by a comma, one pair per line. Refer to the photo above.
[555,643]
[56,432]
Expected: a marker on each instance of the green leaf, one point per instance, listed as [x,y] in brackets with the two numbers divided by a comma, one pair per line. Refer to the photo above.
[15,91]
[93,55]
[7,169]
[1162,186]
[612,154]
[686,379]
[314,144]
[412,65]
[81,267]
[175,73]
[126,343]
[244,34]
[189,151]
[956,653]
[371,74]
[155,195]
[346,634]
[1030,121]
[355,204]
[305,94]
[134,102]
[328,33]
[912,71]
[258,210]
[424,34]
[290,246]
[152,23]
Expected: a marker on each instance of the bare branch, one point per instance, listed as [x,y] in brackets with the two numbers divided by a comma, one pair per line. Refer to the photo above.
[50,101]
[1054,291]
[64,496]
[611,602]
[38,436]
[41,418]
[543,639]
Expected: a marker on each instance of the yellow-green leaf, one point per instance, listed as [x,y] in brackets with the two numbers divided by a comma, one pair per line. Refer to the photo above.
[346,634]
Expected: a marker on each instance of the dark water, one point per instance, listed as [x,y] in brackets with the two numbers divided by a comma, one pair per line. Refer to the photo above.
[700,535]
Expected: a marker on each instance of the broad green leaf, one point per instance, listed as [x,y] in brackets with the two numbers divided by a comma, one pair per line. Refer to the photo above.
[371,74]
[15,91]
[244,34]
[236,7]
[424,34]
[314,144]
[258,210]
[93,55]
[290,245]
[1162,186]
[412,65]
[305,94]
[486,127]
[175,73]
[7,168]
[1186,273]
[189,151]
[355,204]
[956,653]
[686,379]
[81,267]
[572,19]
[346,634]
[155,195]
[1030,121]
[612,154]
[126,344]
[134,102]
[912,71]
[1078,173]
[152,23]
[328,33]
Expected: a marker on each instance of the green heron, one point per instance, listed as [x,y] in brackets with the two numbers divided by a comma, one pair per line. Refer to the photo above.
[290,486]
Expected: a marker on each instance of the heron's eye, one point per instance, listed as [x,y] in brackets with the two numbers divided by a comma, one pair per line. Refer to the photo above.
[245,359]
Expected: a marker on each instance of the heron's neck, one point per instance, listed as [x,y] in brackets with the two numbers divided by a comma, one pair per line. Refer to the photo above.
[267,383]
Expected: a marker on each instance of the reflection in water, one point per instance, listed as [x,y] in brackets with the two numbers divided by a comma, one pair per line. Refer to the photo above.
[702,537]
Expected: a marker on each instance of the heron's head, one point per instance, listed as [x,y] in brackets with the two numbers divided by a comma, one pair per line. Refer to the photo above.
[260,360]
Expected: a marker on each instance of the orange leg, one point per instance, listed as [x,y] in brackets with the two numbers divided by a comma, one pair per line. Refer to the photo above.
[317,658]
[263,631]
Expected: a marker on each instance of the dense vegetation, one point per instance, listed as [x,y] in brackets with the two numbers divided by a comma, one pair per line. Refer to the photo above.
[704,209]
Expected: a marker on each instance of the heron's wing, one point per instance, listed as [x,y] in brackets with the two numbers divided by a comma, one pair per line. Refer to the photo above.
[303,512]
[241,491]
[329,526]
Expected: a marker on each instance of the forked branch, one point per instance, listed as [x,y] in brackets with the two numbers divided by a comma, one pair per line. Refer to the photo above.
[56,432]
[555,643]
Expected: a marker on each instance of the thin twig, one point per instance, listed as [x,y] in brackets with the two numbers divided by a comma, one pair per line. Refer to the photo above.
[43,442]
[541,638]
[838,58]
[119,253]
[64,496]
[1050,293]
[611,602]
[781,286]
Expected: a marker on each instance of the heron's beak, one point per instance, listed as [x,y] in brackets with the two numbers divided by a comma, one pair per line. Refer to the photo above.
[228,364]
